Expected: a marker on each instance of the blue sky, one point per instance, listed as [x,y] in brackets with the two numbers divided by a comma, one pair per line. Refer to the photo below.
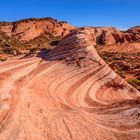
[119,13]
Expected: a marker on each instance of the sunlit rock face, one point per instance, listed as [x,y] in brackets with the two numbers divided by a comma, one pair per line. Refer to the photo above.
[28,29]
[69,93]
[112,36]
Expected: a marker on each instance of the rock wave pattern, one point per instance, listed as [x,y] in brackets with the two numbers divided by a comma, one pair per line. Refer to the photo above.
[69,93]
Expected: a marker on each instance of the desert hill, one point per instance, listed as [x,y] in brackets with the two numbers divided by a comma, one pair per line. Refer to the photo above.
[28,29]
[21,36]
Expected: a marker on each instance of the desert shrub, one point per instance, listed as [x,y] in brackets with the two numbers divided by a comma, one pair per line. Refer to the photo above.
[54,43]
[8,44]
[135,81]
[3,59]
[1,52]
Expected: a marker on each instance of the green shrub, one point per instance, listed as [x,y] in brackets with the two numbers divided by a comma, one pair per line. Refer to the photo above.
[135,83]
[2,59]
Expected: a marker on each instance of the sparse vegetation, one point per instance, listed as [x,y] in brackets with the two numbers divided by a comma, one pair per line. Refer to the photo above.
[2,59]
[124,64]
[11,45]
[55,41]
[134,82]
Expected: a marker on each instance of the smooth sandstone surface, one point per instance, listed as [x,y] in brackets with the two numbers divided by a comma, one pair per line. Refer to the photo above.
[68,93]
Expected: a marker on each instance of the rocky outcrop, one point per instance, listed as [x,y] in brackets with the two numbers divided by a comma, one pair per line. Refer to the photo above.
[111,36]
[28,29]
[107,38]
[68,93]
[135,29]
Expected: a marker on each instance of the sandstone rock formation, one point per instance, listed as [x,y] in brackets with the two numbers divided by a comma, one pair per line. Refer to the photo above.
[24,35]
[28,29]
[68,93]
[111,35]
